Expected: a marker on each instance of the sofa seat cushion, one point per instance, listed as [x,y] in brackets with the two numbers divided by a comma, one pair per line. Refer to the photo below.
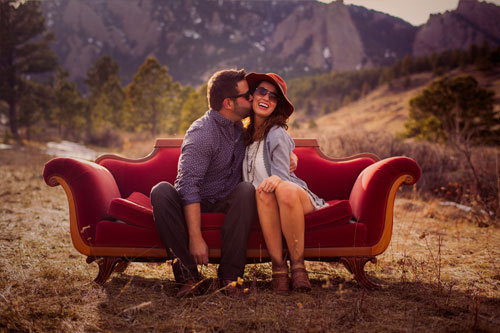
[134,210]
[326,227]
[345,235]
[120,234]
[137,210]
[337,213]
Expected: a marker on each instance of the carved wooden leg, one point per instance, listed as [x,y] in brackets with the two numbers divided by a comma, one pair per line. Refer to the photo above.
[122,266]
[106,267]
[356,266]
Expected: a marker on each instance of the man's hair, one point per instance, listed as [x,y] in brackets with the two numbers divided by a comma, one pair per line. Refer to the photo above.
[223,84]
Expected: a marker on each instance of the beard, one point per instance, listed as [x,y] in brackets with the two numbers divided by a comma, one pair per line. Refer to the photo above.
[242,111]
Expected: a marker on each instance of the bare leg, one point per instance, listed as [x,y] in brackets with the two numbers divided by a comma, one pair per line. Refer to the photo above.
[293,204]
[269,218]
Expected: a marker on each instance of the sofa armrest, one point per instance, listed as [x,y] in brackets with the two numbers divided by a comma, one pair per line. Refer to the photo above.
[89,188]
[373,194]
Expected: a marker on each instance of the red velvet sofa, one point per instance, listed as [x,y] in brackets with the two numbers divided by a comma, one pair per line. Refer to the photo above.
[111,218]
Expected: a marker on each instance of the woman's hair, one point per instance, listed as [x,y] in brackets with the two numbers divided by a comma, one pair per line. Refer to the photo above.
[277,117]
[222,85]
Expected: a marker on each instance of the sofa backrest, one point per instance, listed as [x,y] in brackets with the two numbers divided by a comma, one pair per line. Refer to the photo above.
[328,178]
[142,174]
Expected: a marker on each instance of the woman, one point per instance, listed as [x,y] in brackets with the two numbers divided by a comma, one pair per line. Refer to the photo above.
[282,198]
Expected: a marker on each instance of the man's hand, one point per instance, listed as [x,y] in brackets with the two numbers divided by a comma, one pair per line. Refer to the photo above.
[293,162]
[269,184]
[199,250]
[197,245]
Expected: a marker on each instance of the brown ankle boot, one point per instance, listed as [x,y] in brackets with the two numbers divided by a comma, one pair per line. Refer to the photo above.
[281,280]
[300,281]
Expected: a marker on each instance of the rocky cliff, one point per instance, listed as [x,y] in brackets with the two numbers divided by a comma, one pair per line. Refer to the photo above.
[319,36]
[473,22]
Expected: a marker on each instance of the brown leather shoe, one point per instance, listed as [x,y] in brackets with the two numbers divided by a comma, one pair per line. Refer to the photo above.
[188,289]
[232,289]
[281,283]
[300,281]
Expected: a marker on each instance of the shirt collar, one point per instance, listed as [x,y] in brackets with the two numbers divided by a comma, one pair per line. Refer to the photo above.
[223,120]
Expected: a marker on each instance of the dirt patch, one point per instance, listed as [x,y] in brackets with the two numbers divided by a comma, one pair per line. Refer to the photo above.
[441,272]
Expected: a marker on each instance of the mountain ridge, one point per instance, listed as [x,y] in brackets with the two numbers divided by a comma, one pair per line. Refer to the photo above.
[195,38]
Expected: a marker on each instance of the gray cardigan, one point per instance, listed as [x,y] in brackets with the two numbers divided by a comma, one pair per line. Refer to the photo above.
[278,146]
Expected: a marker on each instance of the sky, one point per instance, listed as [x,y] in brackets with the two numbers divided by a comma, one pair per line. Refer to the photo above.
[415,12]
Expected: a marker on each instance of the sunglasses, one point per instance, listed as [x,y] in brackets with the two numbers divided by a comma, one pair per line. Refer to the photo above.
[261,91]
[245,95]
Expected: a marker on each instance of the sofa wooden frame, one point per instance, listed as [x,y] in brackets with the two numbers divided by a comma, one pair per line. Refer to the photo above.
[116,259]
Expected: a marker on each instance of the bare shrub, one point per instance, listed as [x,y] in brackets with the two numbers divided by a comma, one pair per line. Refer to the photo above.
[445,173]
[105,137]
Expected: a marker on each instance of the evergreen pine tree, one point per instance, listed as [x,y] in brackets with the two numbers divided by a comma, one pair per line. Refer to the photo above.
[458,112]
[24,51]
[105,98]
[150,93]
[68,107]
[193,108]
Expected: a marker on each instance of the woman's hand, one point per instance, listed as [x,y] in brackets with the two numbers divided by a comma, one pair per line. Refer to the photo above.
[269,184]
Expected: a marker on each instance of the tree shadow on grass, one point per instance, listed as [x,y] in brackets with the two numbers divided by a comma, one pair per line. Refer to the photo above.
[137,303]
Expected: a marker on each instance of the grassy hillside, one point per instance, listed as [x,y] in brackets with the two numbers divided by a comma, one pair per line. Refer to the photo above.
[386,108]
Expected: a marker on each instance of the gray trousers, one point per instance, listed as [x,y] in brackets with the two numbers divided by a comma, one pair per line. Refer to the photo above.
[241,211]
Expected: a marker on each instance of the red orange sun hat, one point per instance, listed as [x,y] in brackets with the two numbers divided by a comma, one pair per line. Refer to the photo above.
[254,79]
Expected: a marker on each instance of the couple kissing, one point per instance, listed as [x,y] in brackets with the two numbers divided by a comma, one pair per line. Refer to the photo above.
[237,159]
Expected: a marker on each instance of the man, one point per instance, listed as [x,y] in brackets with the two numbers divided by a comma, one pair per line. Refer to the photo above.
[209,180]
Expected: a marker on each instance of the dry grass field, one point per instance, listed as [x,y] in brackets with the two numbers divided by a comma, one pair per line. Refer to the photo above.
[441,272]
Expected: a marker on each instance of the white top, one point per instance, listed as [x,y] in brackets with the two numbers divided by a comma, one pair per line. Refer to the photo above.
[254,170]
[279,142]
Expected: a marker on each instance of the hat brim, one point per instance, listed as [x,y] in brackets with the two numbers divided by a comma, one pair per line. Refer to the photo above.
[253,79]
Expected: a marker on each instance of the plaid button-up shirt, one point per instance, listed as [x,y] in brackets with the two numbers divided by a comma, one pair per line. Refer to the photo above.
[211,159]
